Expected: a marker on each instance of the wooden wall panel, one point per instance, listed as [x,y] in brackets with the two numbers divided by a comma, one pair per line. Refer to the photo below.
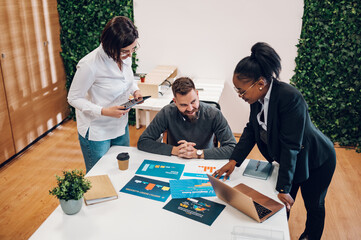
[7,148]
[33,78]
[13,63]
[59,92]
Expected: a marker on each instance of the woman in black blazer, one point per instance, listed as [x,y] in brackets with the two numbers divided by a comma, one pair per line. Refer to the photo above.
[280,125]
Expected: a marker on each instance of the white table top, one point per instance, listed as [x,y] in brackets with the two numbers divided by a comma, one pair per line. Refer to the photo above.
[133,217]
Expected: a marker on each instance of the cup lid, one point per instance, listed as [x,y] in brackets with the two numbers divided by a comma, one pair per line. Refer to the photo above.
[123,156]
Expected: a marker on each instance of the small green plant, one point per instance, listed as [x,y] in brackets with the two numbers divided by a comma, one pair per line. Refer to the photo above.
[71,186]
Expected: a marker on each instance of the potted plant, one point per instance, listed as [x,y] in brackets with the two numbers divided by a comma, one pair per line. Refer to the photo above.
[70,190]
[142,77]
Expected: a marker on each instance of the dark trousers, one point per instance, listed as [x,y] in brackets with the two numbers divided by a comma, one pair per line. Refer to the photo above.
[313,192]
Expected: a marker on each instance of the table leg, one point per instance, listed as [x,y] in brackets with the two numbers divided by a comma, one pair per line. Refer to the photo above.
[137,118]
[147,118]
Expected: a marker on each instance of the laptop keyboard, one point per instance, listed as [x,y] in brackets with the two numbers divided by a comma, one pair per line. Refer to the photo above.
[261,210]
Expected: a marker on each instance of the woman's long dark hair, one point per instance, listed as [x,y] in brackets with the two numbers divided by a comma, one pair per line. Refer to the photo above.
[263,62]
[119,33]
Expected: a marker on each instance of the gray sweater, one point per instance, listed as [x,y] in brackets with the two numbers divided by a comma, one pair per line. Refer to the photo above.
[210,122]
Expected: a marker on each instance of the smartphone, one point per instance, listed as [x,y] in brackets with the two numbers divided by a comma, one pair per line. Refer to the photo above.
[133,102]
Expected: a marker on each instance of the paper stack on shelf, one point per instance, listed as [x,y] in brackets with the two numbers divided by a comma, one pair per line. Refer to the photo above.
[158,80]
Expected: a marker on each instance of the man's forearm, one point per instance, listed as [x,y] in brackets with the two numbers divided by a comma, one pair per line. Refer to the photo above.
[152,146]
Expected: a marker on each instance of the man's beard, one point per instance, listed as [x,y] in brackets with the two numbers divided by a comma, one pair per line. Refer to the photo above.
[191,118]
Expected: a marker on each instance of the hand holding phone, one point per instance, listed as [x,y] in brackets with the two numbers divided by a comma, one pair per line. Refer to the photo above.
[114,111]
[133,102]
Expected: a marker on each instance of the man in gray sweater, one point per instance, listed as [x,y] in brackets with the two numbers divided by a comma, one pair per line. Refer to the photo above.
[191,126]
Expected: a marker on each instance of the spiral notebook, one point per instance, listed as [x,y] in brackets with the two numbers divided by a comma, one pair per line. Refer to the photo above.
[258,169]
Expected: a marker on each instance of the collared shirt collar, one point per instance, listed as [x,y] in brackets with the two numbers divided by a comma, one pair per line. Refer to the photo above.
[184,118]
[105,56]
[268,95]
[265,104]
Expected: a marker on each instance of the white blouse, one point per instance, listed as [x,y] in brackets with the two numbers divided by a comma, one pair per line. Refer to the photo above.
[98,83]
[265,104]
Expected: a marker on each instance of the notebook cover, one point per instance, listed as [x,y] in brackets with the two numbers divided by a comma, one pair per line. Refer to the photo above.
[263,171]
[102,190]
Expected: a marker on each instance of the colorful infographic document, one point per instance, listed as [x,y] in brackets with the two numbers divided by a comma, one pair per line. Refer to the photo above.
[161,169]
[147,188]
[200,170]
[198,209]
[191,188]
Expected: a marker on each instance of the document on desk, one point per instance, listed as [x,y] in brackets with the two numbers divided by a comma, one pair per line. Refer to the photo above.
[200,170]
[191,188]
[258,169]
[198,209]
[160,169]
[147,188]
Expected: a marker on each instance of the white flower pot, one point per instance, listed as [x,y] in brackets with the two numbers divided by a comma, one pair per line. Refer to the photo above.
[71,207]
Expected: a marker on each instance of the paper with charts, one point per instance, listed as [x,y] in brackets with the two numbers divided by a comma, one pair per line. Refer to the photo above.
[200,170]
[161,169]
[147,188]
[198,209]
[192,188]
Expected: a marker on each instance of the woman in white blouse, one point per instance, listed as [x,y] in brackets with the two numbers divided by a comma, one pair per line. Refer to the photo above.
[103,81]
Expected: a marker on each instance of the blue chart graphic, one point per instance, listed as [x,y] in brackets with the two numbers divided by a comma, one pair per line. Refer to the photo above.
[161,169]
[191,188]
[198,209]
[147,188]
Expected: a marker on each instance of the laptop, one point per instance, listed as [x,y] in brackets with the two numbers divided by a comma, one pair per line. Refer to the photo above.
[246,199]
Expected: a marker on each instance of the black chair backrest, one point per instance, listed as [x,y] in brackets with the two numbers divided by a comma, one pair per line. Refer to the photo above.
[214,104]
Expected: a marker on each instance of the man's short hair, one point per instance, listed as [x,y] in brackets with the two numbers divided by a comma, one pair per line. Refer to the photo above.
[182,86]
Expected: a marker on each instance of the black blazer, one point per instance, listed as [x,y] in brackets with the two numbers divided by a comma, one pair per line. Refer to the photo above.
[293,141]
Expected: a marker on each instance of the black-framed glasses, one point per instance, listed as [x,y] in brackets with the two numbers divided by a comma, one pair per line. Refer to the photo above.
[241,94]
[124,53]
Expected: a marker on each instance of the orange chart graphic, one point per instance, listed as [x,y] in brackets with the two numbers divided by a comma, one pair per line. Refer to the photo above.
[207,184]
[150,186]
[209,169]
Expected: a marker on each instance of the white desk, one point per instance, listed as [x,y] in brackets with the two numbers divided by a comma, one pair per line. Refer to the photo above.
[209,90]
[133,217]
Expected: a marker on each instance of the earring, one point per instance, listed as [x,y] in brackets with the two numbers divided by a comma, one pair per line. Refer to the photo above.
[260,88]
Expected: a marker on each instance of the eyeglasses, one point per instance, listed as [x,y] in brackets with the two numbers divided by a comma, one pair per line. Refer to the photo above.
[124,53]
[241,94]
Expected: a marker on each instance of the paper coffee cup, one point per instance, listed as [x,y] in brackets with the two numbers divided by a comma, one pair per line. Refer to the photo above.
[123,160]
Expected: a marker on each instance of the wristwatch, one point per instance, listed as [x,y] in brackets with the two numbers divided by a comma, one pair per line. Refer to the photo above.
[199,153]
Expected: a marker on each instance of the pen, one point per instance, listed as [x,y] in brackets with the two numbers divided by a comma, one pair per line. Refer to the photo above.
[258,163]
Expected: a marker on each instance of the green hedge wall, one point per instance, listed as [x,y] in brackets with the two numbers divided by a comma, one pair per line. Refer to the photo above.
[82,23]
[328,68]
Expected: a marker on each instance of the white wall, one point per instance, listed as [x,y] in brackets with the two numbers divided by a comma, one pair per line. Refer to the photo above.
[207,38]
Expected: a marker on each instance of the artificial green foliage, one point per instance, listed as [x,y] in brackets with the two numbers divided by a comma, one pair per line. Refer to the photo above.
[131,116]
[71,186]
[82,23]
[328,68]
